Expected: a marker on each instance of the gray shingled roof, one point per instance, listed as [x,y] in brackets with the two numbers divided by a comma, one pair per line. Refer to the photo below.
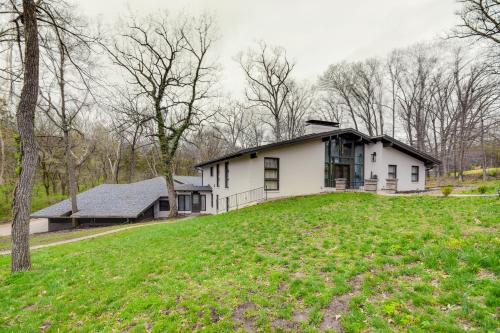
[116,200]
[192,180]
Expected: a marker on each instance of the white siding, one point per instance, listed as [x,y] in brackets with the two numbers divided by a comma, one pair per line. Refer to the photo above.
[301,171]
[404,162]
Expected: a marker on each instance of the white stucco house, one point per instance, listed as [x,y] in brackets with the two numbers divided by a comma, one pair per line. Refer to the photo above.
[326,159]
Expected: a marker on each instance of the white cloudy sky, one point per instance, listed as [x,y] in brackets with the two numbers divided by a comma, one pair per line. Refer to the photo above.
[315,33]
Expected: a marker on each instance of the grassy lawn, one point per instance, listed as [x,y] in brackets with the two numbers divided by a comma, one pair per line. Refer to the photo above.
[40,200]
[477,172]
[47,238]
[490,187]
[363,262]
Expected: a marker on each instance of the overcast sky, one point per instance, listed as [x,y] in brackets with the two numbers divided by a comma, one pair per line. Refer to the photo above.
[315,33]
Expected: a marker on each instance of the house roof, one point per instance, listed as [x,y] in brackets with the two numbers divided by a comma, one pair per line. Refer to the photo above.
[396,144]
[299,139]
[118,200]
[193,180]
[387,140]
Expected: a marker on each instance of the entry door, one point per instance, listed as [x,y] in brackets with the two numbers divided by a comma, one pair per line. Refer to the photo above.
[343,171]
[196,203]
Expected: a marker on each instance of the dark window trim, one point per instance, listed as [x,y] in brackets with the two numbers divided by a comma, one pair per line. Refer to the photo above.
[165,202]
[277,179]
[226,175]
[217,202]
[203,202]
[415,174]
[395,171]
[217,169]
[212,200]
[185,206]
[211,171]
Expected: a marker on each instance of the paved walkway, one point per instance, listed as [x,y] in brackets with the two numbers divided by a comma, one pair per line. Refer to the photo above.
[36,226]
[104,233]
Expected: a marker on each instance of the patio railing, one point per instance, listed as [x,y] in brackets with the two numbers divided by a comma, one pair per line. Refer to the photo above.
[241,199]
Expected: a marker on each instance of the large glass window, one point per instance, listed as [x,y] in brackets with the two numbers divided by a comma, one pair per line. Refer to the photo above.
[184,202]
[271,174]
[344,158]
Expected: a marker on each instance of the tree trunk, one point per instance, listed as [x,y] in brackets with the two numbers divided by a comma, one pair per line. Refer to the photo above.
[71,175]
[172,196]
[2,155]
[131,167]
[70,168]
[25,117]
[485,173]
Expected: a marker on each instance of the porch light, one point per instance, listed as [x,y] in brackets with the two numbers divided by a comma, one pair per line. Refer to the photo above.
[374,157]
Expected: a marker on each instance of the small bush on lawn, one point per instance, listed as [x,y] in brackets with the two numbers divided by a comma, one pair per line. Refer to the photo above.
[493,172]
[482,189]
[446,190]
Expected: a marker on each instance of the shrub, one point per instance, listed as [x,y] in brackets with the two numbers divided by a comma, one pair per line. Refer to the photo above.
[493,172]
[482,189]
[446,190]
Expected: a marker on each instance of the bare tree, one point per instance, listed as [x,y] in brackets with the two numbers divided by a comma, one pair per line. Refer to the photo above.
[479,19]
[366,88]
[168,62]
[415,91]
[267,72]
[129,116]
[337,81]
[25,117]
[327,107]
[231,123]
[64,108]
[475,94]
[297,106]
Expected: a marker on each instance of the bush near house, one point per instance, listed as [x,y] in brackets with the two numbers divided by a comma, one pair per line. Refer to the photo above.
[366,262]
[39,200]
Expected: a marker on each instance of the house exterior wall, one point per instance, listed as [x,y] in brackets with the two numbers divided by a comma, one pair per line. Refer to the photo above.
[404,162]
[163,214]
[301,171]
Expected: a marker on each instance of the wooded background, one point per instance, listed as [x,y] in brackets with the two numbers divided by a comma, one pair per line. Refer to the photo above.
[103,94]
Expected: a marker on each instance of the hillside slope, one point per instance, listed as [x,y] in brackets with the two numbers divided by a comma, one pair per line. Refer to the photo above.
[341,261]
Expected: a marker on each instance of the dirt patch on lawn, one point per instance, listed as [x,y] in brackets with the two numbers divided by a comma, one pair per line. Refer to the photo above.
[242,319]
[339,306]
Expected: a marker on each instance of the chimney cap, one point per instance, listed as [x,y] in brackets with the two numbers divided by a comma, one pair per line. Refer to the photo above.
[322,123]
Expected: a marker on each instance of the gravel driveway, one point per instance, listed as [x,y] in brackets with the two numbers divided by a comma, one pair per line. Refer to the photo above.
[36,226]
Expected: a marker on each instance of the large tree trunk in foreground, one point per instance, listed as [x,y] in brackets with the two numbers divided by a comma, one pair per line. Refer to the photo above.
[25,118]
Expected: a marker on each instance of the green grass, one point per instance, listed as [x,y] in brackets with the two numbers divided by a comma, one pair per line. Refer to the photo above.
[39,200]
[51,237]
[476,172]
[490,187]
[422,264]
